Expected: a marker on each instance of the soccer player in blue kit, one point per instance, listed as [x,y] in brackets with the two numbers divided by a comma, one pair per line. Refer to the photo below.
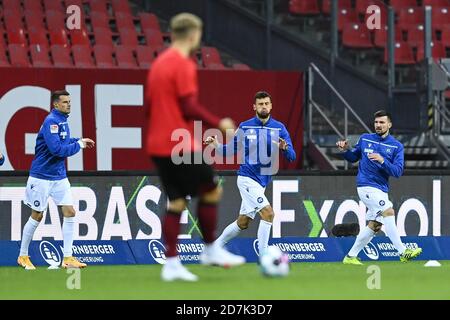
[380,156]
[255,136]
[48,178]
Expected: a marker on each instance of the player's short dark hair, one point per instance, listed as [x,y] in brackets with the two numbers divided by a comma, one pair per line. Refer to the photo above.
[382,113]
[58,93]
[183,23]
[262,95]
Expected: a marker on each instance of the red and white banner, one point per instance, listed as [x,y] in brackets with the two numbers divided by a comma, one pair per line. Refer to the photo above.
[108,106]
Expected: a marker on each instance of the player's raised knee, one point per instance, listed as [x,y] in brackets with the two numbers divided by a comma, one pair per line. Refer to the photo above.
[243,222]
[267,213]
[212,196]
[389,212]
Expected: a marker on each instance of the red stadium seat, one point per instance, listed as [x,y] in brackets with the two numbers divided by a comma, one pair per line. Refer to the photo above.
[103,36]
[408,18]
[120,6]
[362,5]
[211,58]
[437,51]
[445,36]
[346,17]
[402,4]
[13,19]
[436,3]
[128,37]
[356,36]
[55,5]
[148,21]
[32,6]
[304,7]
[99,20]
[440,17]
[403,54]
[38,37]
[34,20]
[79,37]
[154,39]
[145,56]
[380,37]
[17,36]
[125,57]
[98,5]
[78,3]
[104,56]
[416,36]
[124,21]
[61,56]
[12,5]
[82,56]
[55,20]
[40,56]
[18,55]
[241,66]
[342,4]
[58,37]
[3,59]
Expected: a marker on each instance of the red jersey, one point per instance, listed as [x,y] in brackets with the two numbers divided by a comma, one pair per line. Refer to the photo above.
[171,77]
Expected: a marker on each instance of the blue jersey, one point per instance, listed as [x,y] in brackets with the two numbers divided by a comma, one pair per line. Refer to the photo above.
[258,142]
[371,173]
[2,160]
[53,146]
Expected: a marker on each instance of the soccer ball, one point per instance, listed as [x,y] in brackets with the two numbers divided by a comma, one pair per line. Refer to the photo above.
[274,262]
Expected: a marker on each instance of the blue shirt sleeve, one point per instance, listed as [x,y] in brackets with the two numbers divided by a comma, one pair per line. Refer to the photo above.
[54,143]
[395,168]
[72,140]
[2,159]
[289,153]
[354,154]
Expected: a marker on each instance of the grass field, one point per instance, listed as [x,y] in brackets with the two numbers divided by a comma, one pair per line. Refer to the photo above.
[306,281]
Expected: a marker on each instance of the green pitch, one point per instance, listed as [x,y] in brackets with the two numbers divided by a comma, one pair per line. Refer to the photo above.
[306,281]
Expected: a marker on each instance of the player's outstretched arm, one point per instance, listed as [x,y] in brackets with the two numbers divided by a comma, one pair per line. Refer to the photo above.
[351,155]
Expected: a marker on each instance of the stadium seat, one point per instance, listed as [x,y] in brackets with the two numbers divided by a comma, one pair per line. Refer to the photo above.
[304,7]
[120,6]
[408,18]
[437,51]
[78,3]
[403,54]
[342,4]
[79,37]
[145,56]
[346,17]
[416,36]
[211,58]
[38,37]
[99,20]
[17,36]
[3,59]
[124,21]
[402,4]
[125,57]
[436,3]
[362,5]
[55,5]
[440,17]
[32,6]
[356,36]
[154,39]
[241,66]
[18,55]
[13,19]
[58,37]
[148,21]
[34,20]
[380,37]
[61,56]
[82,56]
[55,20]
[103,36]
[104,56]
[12,5]
[40,56]
[98,6]
[445,36]
[128,37]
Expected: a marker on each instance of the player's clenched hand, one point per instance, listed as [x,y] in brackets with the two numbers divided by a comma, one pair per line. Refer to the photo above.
[282,144]
[375,157]
[89,143]
[343,145]
[226,124]
[211,139]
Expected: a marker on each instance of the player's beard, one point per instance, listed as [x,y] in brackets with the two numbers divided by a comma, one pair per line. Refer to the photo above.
[382,133]
[263,115]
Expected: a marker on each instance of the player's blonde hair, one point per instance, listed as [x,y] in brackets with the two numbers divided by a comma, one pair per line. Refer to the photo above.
[183,23]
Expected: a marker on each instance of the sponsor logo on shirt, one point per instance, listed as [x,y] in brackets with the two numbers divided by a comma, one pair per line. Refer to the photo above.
[53,128]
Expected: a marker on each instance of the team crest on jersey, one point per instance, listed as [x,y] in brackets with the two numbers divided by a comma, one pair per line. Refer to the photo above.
[53,128]
[382,203]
